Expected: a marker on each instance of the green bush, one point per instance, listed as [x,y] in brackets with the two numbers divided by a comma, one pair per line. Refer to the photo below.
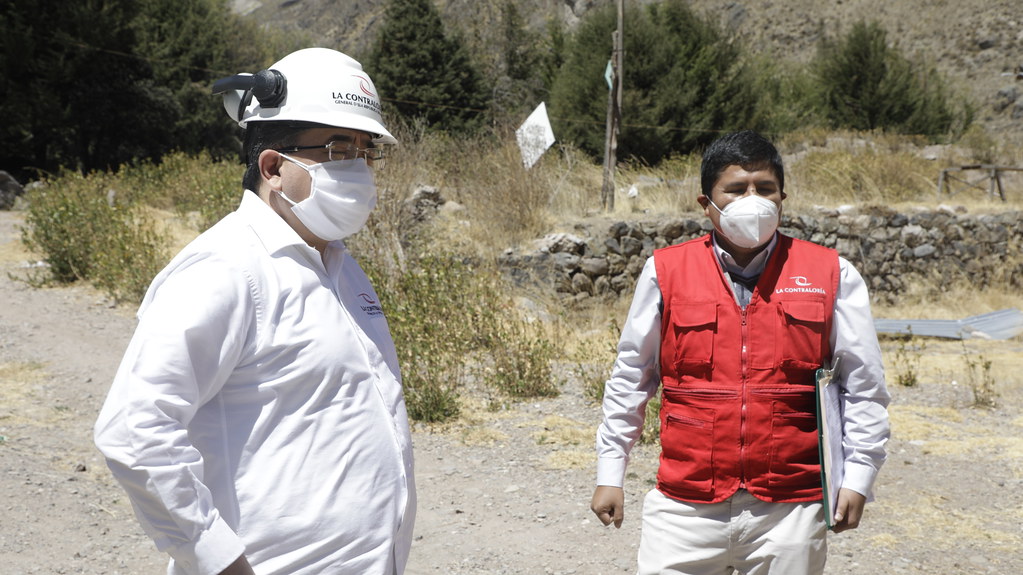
[522,360]
[86,232]
[187,184]
[452,324]
[431,318]
[106,227]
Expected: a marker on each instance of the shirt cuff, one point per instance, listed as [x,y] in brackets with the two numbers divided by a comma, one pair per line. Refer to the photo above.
[215,549]
[860,478]
[611,471]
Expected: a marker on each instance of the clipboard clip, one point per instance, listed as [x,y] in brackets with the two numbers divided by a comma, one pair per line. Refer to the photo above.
[825,375]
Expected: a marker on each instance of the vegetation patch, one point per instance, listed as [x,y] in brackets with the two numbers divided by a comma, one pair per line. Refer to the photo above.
[930,517]
[20,403]
[557,430]
[570,459]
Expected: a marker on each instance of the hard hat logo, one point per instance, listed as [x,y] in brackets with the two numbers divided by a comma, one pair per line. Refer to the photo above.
[369,101]
[364,85]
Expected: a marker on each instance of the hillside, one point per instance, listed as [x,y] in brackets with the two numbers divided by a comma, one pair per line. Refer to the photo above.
[977,43]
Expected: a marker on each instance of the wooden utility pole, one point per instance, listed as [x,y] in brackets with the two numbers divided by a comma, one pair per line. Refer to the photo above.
[614,113]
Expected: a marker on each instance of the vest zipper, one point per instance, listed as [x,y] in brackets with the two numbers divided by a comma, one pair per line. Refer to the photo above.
[744,362]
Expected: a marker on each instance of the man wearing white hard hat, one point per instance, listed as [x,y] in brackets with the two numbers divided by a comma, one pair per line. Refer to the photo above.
[257,420]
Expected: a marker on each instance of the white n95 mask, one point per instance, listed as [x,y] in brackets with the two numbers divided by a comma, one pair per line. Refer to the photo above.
[341,196]
[748,222]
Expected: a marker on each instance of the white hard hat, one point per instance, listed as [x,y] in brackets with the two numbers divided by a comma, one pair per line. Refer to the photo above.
[311,85]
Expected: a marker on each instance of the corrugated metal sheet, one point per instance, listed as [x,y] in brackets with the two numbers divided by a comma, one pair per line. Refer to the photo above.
[1002,324]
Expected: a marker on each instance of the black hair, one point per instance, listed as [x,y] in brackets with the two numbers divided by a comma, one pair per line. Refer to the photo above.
[261,136]
[745,148]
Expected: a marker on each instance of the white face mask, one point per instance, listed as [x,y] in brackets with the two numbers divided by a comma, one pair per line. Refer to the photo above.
[341,196]
[748,222]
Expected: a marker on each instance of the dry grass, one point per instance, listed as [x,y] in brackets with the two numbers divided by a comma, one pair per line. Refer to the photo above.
[931,518]
[948,300]
[14,252]
[570,459]
[19,401]
[558,430]
[830,169]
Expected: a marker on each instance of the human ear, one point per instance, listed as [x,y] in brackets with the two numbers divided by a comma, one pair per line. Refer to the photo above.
[704,202]
[270,169]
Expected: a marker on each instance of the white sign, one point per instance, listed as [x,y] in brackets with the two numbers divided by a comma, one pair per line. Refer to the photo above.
[535,136]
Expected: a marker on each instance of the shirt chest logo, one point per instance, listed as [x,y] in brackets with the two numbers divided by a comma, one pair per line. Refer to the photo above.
[801,285]
[369,305]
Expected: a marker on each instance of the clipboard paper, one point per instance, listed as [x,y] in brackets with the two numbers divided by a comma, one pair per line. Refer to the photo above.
[829,438]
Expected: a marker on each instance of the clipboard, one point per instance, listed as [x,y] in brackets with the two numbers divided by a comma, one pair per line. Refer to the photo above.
[829,437]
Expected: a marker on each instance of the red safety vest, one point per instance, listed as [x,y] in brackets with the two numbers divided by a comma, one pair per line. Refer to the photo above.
[737,406]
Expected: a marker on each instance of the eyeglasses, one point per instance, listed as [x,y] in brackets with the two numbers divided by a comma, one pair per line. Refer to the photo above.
[342,151]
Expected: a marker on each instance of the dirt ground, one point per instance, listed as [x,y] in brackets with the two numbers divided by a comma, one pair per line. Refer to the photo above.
[500,493]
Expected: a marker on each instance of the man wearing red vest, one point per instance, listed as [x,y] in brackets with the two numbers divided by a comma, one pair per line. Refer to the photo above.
[732,328]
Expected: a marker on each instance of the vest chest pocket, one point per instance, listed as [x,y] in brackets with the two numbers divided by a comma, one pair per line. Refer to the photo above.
[802,340]
[693,327]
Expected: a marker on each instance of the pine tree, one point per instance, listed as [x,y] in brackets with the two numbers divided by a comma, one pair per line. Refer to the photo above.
[421,72]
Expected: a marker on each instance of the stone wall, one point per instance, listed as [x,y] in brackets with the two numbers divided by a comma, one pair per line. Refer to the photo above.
[890,249]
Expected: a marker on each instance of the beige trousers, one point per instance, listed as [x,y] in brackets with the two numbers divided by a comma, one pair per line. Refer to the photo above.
[742,534]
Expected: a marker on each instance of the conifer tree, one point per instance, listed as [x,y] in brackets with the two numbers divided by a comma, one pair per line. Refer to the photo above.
[684,83]
[518,85]
[865,84]
[422,72]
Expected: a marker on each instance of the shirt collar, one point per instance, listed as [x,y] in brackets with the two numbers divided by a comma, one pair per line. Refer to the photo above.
[756,265]
[271,229]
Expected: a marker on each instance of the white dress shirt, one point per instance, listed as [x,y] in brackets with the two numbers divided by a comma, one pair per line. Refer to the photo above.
[635,377]
[258,409]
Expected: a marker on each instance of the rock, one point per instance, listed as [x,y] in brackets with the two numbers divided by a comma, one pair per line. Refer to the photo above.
[10,190]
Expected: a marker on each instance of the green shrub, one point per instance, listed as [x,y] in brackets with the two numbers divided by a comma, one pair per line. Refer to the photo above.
[431,319]
[132,253]
[522,360]
[187,184]
[84,231]
[452,324]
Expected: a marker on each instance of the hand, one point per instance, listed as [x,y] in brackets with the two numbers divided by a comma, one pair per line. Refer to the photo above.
[849,511]
[609,503]
[239,567]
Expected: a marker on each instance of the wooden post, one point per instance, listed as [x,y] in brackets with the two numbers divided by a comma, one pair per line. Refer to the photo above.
[998,181]
[614,111]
